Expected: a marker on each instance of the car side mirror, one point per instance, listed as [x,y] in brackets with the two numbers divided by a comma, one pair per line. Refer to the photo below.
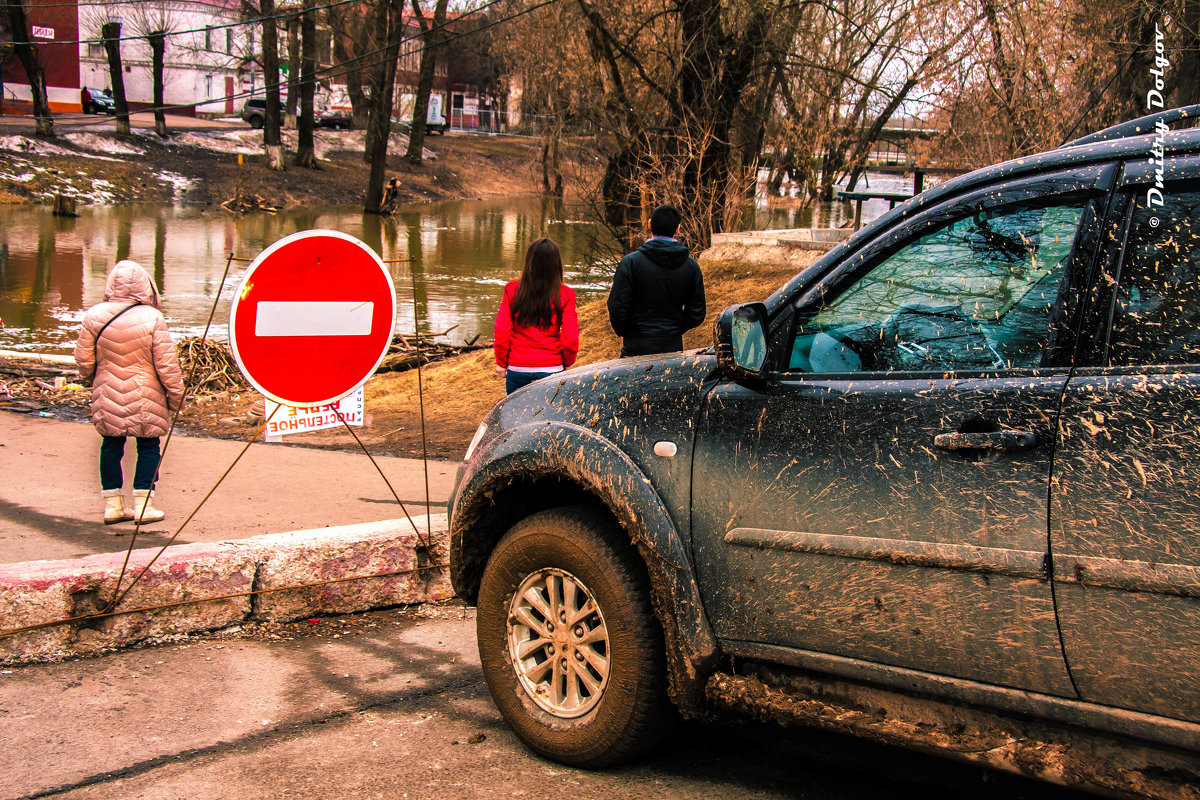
[740,336]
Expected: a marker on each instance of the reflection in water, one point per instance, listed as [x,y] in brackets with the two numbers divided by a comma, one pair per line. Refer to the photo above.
[463,253]
[51,269]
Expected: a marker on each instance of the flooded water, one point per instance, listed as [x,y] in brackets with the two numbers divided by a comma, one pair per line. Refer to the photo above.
[51,269]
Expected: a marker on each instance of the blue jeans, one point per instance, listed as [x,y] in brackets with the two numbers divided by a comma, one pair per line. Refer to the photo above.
[111,451]
[519,380]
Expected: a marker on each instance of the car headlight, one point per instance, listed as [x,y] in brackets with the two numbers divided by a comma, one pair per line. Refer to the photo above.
[475,440]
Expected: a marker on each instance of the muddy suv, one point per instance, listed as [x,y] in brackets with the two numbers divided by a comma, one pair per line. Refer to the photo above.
[938,490]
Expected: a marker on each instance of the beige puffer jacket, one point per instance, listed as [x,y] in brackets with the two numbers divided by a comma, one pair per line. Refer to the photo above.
[137,381]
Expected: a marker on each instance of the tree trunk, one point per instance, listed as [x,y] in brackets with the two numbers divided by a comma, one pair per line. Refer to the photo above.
[158,46]
[431,37]
[27,53]
[272,143]
[305,147]
[552,179]
[380,24]
[389,20]
[111,33]
[293,86]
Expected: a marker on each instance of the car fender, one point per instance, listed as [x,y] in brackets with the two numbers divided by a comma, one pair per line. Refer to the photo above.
[596,466]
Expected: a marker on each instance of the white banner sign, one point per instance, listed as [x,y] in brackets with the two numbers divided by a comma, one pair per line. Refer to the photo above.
[289,419]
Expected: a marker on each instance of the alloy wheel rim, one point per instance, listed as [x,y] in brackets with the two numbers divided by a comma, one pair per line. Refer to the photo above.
[558,643]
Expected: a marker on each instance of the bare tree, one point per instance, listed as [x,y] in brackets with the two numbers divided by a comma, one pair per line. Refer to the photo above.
[1037,72]
[432,36]
[111,33]
[352,44]
[389,27]
[155,20]
[548,99]
[675,76]
[27,54]
[272,122]
[293,84]
[158,46]
[305,146]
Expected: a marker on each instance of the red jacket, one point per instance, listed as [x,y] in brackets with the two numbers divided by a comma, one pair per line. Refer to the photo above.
[527,346]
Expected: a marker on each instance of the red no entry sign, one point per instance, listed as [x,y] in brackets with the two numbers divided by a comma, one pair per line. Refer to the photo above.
[312,318]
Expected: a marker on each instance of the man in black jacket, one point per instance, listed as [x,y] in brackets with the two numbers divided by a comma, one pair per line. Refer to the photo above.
[657,291]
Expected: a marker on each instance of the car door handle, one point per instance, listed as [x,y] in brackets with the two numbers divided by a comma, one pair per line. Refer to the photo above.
[1008,441]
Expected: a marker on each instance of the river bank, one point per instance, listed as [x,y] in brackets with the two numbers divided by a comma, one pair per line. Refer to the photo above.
[202,167]
[98,166]
[456,393]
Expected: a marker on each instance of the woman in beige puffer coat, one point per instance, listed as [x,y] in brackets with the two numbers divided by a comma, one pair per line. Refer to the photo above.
[125,348]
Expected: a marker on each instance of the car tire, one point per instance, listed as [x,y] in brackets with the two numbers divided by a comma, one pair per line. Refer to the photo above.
[256,122]
[604,702]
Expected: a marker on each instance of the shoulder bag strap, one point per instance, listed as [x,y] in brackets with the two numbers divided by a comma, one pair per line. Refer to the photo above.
[99,333]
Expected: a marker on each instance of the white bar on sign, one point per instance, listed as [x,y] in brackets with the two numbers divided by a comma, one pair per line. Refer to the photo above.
[313,318]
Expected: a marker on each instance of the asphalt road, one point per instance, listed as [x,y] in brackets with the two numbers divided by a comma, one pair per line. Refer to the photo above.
[387,705]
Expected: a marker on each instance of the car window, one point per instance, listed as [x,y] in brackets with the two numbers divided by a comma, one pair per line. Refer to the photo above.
[1157,316]
[976,293]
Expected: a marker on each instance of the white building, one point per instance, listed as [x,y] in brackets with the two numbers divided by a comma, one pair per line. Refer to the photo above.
[209,65]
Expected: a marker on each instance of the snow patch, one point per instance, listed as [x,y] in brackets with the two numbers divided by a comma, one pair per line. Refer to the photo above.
[230,142]
[180,184]
[103,144]
[23,144]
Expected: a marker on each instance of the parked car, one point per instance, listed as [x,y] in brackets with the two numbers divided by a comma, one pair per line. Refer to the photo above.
[336,118]
[431,128]
[938,490]
[97,101]
[254,111]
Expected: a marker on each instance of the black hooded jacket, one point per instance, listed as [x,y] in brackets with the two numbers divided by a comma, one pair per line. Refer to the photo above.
[657,294]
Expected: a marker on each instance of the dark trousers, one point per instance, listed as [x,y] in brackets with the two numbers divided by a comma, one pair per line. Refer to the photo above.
[519,380]
[632,346]
[111,451]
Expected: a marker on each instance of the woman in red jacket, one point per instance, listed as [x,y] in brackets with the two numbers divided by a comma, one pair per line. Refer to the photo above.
[537,332]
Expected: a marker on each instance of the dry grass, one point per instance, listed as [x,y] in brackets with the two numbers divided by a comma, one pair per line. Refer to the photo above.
[458,392]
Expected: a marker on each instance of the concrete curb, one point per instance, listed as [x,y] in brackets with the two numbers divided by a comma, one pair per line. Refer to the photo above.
[34,592]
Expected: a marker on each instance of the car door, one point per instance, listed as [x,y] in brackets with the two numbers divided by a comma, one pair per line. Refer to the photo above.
[884,496]
[1125,520]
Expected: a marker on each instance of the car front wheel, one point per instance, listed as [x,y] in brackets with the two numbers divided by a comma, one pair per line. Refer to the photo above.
[256,122]
[569,645]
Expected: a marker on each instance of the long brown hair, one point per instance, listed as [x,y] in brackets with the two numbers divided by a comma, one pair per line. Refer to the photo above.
[536,303]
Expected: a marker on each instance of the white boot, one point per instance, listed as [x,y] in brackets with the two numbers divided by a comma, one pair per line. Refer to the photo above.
[143,508]
[115,509]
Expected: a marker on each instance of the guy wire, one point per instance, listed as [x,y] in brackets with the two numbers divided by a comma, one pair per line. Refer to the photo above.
[421,399]
[187,388]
